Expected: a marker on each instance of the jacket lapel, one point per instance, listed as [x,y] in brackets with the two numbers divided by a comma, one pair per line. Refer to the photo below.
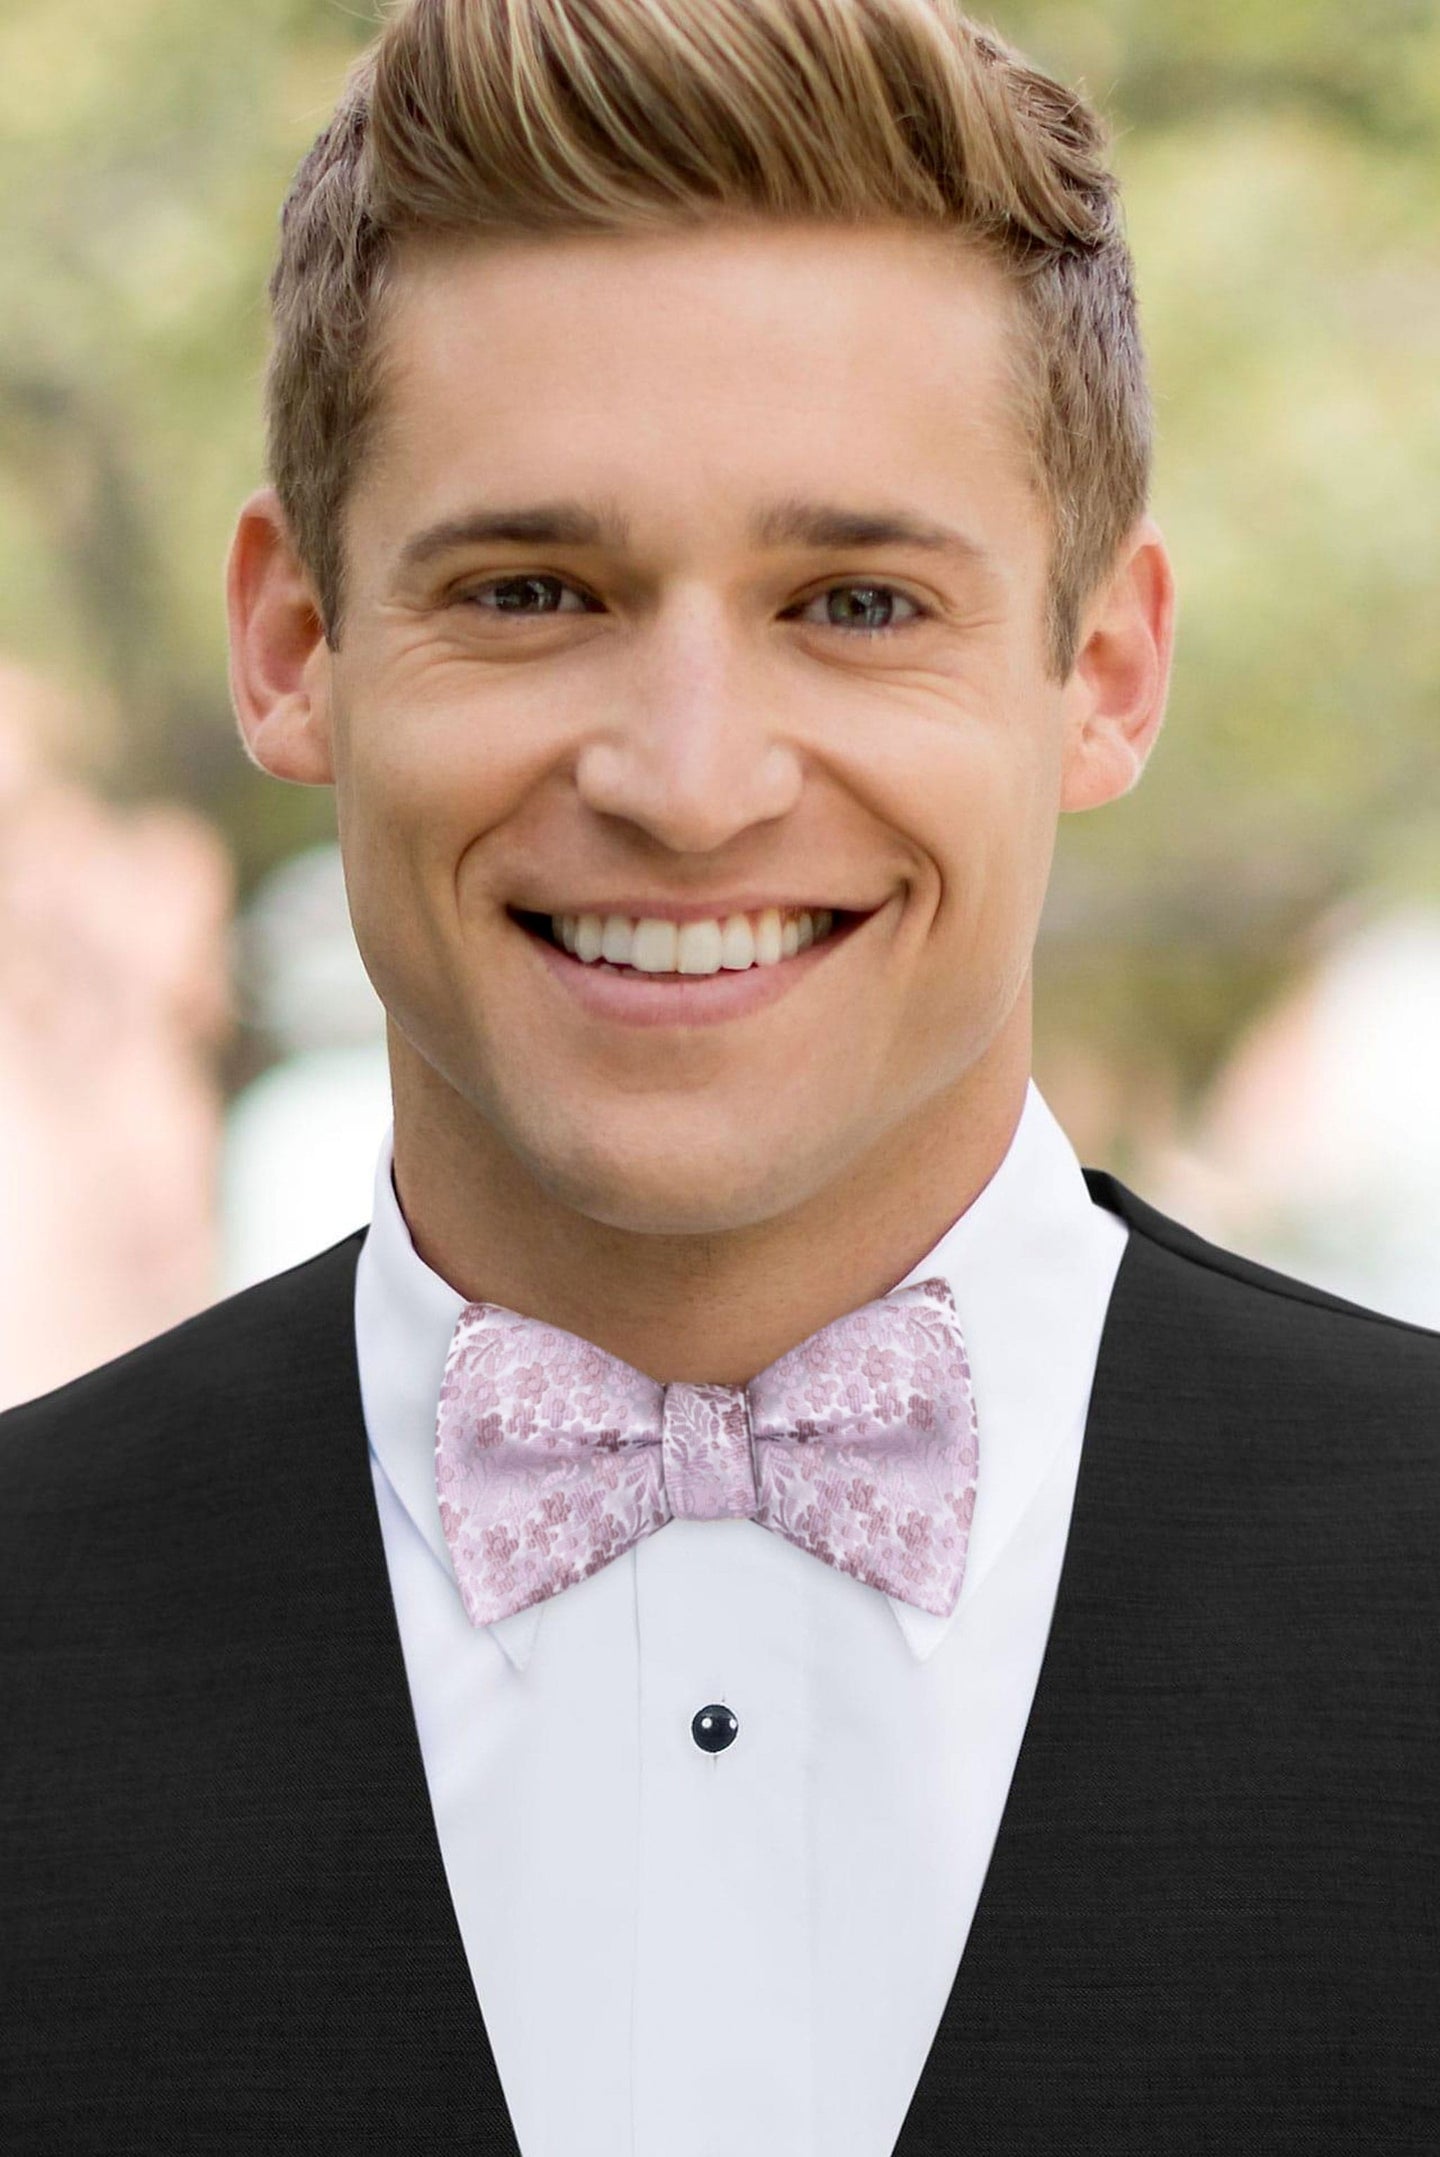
[1058,1893]
[1157,1923]
[356,1908]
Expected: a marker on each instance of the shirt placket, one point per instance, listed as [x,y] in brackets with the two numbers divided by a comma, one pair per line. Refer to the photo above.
[722,2012]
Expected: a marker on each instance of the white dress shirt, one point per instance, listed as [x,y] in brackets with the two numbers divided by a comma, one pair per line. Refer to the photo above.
[681,1953]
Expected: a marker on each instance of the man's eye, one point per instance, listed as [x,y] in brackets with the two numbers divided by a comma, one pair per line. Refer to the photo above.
[868,608]
[529,595]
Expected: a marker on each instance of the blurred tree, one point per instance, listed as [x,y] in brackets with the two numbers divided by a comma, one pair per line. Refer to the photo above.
[1283,191]
[144,151]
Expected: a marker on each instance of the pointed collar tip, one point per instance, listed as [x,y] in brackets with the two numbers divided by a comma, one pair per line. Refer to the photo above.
[922,1629]
[516,1633]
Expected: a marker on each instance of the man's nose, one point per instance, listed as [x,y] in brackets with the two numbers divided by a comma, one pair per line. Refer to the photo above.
[696,752]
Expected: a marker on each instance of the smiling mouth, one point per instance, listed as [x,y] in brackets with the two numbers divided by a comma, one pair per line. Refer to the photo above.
[648,945]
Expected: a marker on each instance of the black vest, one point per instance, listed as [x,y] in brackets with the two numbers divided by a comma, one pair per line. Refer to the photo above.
[1210,1922]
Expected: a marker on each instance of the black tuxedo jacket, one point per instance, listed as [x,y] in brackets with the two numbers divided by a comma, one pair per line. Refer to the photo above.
[1210,1920]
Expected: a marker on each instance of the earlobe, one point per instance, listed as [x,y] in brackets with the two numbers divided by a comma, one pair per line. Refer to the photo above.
[279,660]
[1115,698]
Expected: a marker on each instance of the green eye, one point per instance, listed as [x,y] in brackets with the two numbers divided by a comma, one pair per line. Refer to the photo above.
[870,600]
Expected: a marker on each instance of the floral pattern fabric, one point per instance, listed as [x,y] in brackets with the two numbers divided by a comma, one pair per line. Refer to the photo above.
[860,1446]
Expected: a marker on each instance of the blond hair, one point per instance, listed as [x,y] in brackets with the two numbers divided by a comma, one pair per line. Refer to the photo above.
[506,117]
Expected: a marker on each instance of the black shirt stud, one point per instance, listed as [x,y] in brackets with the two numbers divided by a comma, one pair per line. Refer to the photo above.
[713,1728]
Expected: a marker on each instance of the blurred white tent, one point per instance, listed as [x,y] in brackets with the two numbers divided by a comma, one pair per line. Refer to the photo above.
[298,1155]
[1319,1151]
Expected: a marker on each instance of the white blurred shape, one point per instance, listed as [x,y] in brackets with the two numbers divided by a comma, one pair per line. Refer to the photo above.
[1320,1148]
[298,1159]
[299,973]
[298,1156]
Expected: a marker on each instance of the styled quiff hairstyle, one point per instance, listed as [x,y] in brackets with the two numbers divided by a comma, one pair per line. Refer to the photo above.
[532,117]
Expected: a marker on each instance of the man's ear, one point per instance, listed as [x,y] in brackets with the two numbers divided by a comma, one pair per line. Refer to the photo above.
[1114,700]
[280,679]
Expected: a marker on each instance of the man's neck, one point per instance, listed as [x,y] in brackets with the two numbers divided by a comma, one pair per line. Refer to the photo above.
[696,1308]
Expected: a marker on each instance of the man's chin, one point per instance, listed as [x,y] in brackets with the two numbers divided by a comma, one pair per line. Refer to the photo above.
[671,1193]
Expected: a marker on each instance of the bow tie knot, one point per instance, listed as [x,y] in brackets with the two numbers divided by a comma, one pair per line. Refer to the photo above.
[707,1453]
[552,1457]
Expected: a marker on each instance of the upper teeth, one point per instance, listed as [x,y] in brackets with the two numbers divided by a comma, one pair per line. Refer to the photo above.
[653,946]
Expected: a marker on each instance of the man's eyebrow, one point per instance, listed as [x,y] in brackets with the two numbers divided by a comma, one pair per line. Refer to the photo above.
[788,523]
[828,524]
[545,524]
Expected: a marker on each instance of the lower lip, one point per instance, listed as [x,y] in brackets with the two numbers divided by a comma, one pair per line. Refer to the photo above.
[683,1000]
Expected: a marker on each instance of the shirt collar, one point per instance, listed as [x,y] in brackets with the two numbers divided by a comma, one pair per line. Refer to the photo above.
[1030,1263]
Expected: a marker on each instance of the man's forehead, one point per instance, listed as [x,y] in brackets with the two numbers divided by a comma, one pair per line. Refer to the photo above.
[765,275]
[526,431]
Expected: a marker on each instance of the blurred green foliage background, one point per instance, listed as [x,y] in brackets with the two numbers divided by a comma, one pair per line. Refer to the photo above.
[1281,167]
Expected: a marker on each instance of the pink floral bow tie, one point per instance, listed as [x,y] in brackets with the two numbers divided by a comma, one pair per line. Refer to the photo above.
[552,1457]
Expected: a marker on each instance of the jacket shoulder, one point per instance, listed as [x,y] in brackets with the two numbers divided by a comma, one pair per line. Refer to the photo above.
[1171,1235]
[1260,1334]
[203,1387]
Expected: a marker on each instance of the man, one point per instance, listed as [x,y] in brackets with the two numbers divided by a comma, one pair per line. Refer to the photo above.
[754,1609]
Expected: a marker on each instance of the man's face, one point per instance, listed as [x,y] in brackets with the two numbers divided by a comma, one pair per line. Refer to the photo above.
[682,694]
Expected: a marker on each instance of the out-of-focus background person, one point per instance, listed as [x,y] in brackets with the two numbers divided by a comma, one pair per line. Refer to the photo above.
[114,1000]
[1238,1009]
